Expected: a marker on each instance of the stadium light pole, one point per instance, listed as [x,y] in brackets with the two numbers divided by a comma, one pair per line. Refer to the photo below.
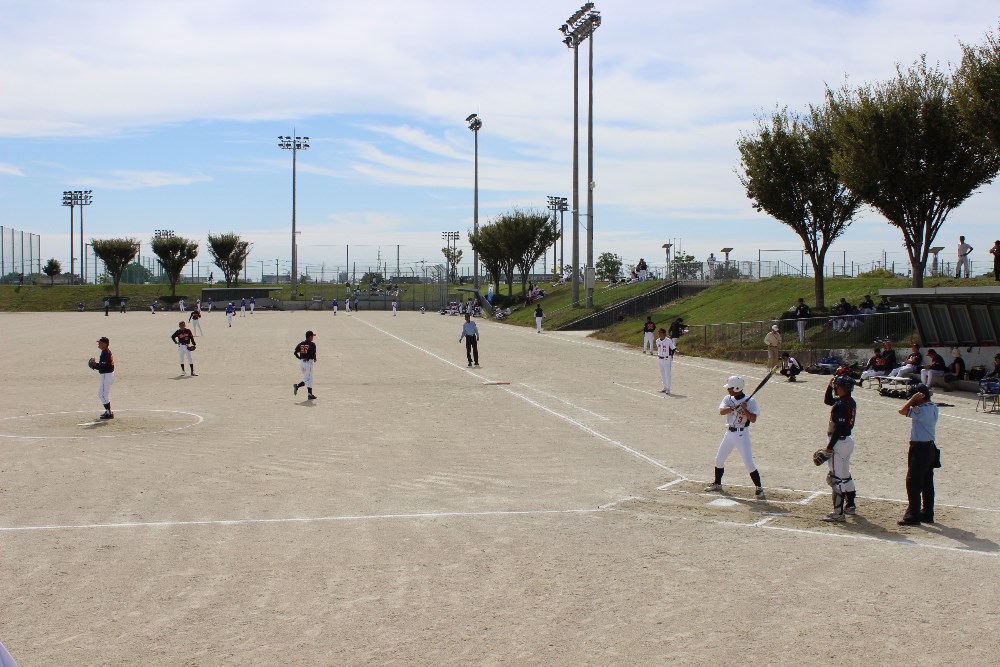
[451,239]
[560,205]
[295,144]
[577,29]
[83,198]
[67,200]
[475,122]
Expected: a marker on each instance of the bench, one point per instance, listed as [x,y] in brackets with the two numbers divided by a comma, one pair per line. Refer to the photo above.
[891,382]
[988,402]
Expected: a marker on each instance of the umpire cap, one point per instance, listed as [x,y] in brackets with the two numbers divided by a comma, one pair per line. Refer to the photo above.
[920,389]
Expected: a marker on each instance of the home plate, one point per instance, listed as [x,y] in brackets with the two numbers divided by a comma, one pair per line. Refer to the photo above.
[723,502]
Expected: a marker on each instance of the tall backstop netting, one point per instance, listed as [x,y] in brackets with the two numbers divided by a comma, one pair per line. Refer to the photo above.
[20,253]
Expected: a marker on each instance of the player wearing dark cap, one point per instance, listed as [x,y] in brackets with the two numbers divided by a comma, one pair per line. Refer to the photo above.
[183,338]
[305,352]
[105,366]
[841,446]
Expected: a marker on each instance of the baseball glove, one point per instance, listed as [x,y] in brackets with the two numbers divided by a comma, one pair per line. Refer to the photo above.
[192,347]
[92,363]
[821,456]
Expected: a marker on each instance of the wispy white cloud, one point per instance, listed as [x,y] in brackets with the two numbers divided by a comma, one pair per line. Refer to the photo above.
[10,170]
[134,180]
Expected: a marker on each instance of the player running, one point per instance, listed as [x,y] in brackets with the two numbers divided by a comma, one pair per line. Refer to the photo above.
[305,352]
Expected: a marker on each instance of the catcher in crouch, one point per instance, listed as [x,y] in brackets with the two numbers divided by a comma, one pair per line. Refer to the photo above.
[841,446]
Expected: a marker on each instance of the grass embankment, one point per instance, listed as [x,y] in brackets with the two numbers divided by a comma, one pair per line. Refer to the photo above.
[558,308]
[767,300]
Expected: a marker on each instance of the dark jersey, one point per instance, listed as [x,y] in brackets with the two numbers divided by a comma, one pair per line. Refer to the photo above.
[182,337]
[538,312]
[649,327]
[106,364]
[841,414]
[801,310]
[676,330]
[890,358]
[305,350]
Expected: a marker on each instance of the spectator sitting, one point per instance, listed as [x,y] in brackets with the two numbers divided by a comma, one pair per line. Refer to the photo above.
[934,370]
[841,310]
[889,355]
[912,365]
[994,375]
[867,306]
[956,370]
[641,269]
[876,367]
[506,311]
[883,305]
[790,367]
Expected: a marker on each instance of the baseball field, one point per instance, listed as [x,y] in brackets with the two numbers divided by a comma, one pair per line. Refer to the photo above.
[420,513]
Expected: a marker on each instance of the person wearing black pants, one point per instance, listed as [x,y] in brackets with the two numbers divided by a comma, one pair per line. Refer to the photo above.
[922,458]
[471,335]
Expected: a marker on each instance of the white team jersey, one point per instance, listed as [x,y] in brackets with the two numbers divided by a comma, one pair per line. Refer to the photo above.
[737,419]
[664,347]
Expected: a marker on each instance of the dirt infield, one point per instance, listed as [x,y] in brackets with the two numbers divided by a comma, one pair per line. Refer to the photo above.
[420,513]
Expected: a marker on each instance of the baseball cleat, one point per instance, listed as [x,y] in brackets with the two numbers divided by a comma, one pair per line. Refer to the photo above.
[851,509]
[714,487]
[835,517]
[759,494]
[108,415]
[311,397]
[908,521]
[295,389]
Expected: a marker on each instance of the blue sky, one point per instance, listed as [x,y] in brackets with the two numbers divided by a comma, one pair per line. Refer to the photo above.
[170,113]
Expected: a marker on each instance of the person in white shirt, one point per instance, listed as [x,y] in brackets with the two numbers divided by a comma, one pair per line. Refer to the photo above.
[665,350]
[964,250]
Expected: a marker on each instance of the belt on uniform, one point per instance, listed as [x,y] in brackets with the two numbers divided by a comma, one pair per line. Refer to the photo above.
[740,428]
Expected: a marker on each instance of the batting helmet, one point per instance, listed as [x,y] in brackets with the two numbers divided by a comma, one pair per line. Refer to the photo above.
[735,383]
[845,381]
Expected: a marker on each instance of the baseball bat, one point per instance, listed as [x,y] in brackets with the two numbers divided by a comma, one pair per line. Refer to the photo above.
[763,382]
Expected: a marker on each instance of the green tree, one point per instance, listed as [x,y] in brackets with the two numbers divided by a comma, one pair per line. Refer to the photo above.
[137,274]
[787,173]
[453,256]
[529,234]
[229,252]
[52,269]
[903,147]
[978,87]
[174,253]
[609,266]
[116,255]
[488,243]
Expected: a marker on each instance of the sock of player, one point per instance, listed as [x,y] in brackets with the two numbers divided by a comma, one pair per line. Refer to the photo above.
[851,495]
[718,475]
[755,476]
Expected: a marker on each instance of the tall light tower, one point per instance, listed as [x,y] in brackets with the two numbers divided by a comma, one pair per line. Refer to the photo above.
[474,124]
[295,144]
[560,205]
[577,29]
[451,241]
[68,201]
[83,198]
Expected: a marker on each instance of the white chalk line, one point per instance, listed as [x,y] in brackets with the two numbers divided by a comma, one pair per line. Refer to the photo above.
[658,394]
[564,417]
[282,520]
[198,420]
[563,400]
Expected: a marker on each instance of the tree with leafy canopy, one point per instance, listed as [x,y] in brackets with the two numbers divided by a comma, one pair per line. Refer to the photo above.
[786,170]
[116,255]
[174,253]
[488,243]
[229,252]
[903,147]
[609,266]
[52,269]
[977,88]
[527,236]
[137,274]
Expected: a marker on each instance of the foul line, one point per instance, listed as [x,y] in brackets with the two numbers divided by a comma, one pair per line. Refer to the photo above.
[562,400]
[309,519]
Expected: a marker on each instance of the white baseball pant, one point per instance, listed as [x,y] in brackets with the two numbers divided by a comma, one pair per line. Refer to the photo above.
[665,367]
[104,388]
[196,327]
[739,440]
[647,342]
[307,371]
[840,466]
[183,351]
[538,324]
[229,318]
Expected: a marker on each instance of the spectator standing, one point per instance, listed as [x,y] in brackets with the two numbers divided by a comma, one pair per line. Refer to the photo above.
[648,333]
[922,458]
[121,302]
[801,311]
[995,251]
[470,332]
[641,269]
[711,265]
[773,342]
[538,317]
[964,250]
[107,306]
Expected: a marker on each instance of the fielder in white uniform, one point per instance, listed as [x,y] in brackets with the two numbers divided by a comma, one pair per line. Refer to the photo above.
[740,413]
[665,350]
[394,308]
[649,335]
[253,304]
